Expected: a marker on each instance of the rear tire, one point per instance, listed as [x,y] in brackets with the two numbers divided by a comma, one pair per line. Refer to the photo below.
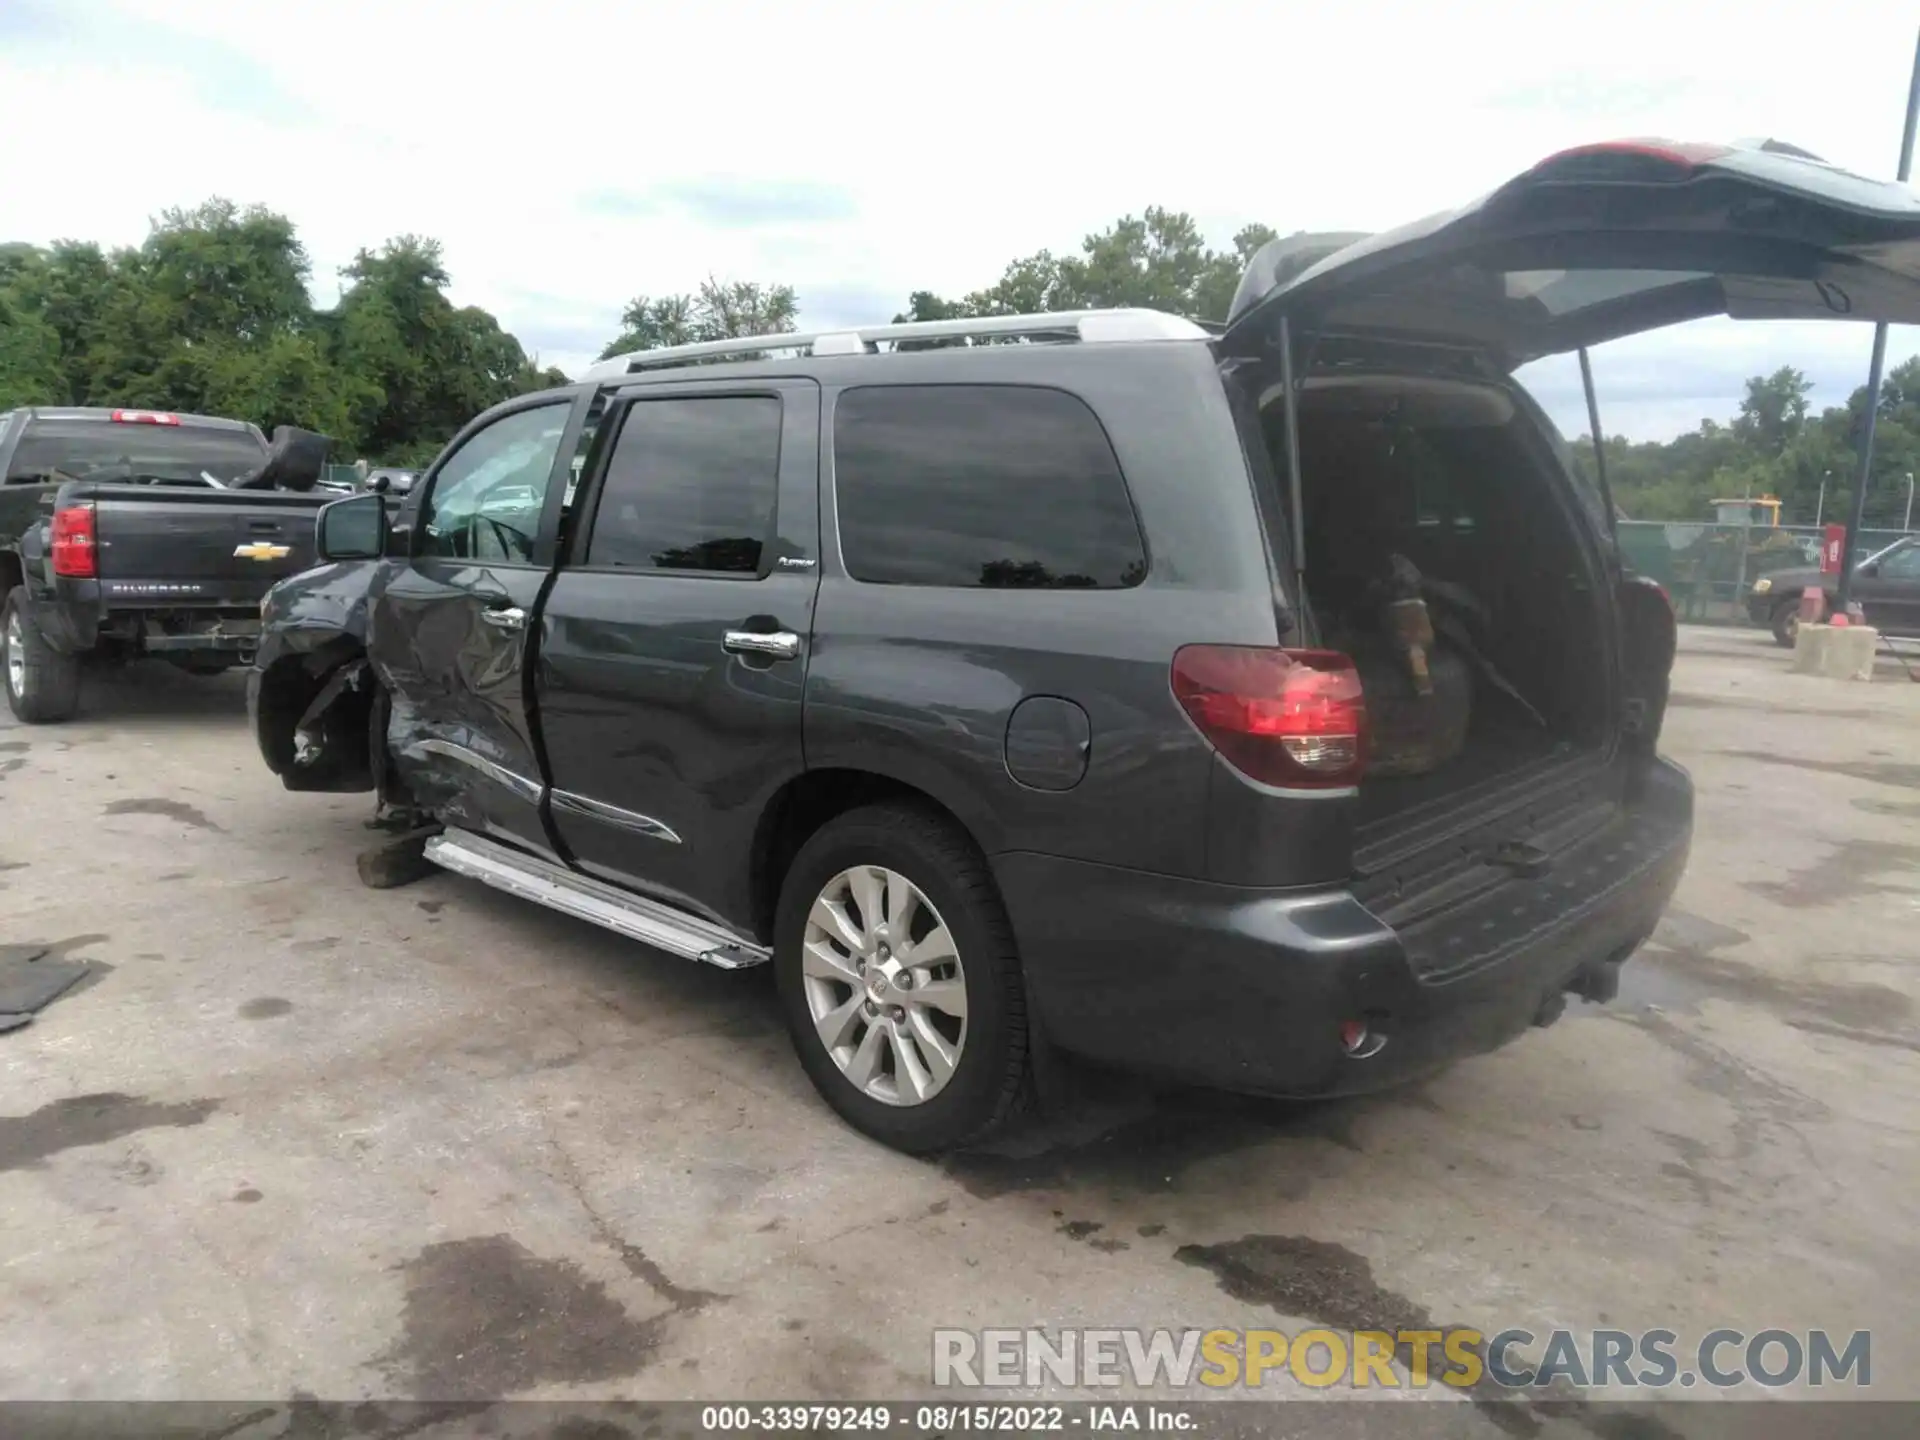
[1786,623]
[909,1072]
[43,686]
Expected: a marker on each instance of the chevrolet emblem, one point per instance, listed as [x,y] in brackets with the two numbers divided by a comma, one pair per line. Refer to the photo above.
[260,550]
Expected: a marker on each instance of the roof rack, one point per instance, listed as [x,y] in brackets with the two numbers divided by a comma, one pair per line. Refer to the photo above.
[1083,326]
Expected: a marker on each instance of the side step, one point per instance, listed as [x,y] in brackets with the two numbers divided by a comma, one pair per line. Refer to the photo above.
[585,898]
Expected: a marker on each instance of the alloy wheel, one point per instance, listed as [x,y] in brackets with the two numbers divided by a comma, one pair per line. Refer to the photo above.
[884,985]
[16,657]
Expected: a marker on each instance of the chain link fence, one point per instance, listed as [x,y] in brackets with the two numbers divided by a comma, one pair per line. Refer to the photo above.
[1709,569]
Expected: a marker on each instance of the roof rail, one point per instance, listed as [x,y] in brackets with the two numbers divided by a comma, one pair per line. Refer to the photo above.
[1082,326]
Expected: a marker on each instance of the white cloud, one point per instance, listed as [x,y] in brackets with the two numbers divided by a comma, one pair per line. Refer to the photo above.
[572,154]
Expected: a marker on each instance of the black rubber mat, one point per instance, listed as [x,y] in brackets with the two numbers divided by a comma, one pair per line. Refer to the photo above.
[30,980]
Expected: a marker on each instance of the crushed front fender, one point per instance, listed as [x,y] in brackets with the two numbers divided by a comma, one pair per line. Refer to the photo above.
[310,693]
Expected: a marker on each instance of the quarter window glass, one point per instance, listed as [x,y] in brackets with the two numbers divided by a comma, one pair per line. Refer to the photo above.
[994,486]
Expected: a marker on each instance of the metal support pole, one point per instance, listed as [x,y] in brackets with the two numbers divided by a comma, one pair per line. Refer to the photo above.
[1593,429]
[1877,366]
[1298,518]
[1907,524]
[1746,548]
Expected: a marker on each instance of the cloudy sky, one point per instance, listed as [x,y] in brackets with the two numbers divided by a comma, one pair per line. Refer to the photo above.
[572,153]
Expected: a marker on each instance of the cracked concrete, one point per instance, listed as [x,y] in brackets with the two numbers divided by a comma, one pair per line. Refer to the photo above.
[307,1139]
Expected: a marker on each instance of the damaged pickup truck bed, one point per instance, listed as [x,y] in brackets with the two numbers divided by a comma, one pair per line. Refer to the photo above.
[1267,708]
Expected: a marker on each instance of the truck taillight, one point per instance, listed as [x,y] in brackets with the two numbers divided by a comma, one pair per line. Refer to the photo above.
[1292,718]
[73,543]
[144,417]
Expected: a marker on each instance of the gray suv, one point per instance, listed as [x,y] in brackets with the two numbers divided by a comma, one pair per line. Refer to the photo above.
[1263,706]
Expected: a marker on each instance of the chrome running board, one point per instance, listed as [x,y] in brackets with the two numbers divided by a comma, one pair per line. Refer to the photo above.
[585,898]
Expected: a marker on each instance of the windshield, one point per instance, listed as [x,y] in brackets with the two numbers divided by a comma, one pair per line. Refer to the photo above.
[154,454]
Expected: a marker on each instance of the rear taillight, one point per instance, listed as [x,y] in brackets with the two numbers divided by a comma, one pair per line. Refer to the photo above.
[144,417]
[1293,718]
[73,543]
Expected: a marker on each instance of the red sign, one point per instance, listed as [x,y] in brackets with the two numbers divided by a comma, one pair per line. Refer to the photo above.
[1833,545]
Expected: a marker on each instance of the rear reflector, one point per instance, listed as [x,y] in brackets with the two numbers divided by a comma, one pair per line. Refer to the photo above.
[1292,718]
[73,547]
[145,417]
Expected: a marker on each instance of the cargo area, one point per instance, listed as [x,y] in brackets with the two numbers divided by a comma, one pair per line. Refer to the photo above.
[1450,493]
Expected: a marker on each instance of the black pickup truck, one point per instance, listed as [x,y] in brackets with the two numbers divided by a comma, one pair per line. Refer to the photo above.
[129,533]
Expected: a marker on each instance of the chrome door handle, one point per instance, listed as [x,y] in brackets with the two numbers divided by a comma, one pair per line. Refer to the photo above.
[781,644]
[510,617]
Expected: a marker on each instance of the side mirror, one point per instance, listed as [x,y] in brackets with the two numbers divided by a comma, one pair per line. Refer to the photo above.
[352,529]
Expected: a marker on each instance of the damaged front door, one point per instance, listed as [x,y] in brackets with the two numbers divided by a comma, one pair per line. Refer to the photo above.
[449,636]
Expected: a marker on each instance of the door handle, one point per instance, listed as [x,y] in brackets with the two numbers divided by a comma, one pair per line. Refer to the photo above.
[780,644]
[505,617]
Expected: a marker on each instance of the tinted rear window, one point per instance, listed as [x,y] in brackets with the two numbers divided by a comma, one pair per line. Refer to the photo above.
[109,451]
[1000,486]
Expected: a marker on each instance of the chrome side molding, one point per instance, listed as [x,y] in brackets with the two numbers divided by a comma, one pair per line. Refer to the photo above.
[613,815]
[584,898]
[523,786]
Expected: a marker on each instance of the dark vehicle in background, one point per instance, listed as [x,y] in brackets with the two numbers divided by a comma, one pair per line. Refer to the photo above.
[1264,706]
[131,533]
[389,481]
[1887,585]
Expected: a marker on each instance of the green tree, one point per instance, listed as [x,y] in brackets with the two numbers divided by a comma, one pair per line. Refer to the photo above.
[227,274]
[1157,260]
[29,356]
[418,367]
[1774,410]
[71,287]
[718,310]
[211,313]
[1776,446]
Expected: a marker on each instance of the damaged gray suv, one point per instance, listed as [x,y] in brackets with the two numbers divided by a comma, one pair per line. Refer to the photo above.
[1264,706]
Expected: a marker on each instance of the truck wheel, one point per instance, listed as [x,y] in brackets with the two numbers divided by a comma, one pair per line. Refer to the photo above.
[1786,623]
[43,686]
[900,981]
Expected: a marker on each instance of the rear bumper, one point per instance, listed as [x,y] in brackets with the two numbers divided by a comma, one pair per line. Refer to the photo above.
[1247,989]
[80,614]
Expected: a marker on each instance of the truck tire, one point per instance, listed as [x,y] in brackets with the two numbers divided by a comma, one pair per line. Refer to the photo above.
[924,1063]
[43,686]
[1786,623]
